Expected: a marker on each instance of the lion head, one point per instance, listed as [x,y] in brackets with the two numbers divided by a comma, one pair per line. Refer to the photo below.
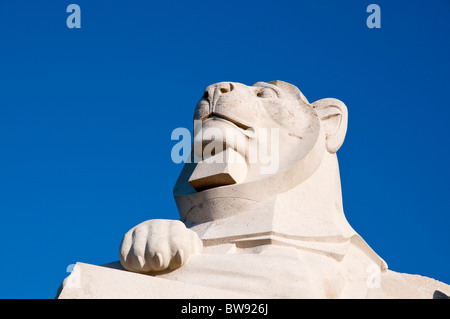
[275,117]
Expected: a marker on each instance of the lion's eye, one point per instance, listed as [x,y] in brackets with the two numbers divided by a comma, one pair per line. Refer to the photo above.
[266,93]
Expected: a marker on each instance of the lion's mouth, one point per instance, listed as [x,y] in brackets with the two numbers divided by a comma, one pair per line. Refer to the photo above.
[226,118]
[244,128]
[224,163]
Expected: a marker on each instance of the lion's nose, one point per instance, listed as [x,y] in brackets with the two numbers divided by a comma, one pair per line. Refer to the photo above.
[216,90]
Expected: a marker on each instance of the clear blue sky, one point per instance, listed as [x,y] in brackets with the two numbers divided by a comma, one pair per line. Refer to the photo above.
[86,117]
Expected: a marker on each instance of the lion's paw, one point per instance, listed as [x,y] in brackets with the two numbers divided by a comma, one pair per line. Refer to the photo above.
[157,245]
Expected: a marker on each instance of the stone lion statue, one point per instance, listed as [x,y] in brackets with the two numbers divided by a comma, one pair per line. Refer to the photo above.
[264,228]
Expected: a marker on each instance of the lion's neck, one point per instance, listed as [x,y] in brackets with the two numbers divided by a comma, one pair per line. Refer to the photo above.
[312,209]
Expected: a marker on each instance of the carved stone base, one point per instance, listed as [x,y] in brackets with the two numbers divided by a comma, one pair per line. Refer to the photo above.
[111,282]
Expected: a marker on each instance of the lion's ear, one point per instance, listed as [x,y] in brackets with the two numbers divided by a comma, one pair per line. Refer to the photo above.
[334,116]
